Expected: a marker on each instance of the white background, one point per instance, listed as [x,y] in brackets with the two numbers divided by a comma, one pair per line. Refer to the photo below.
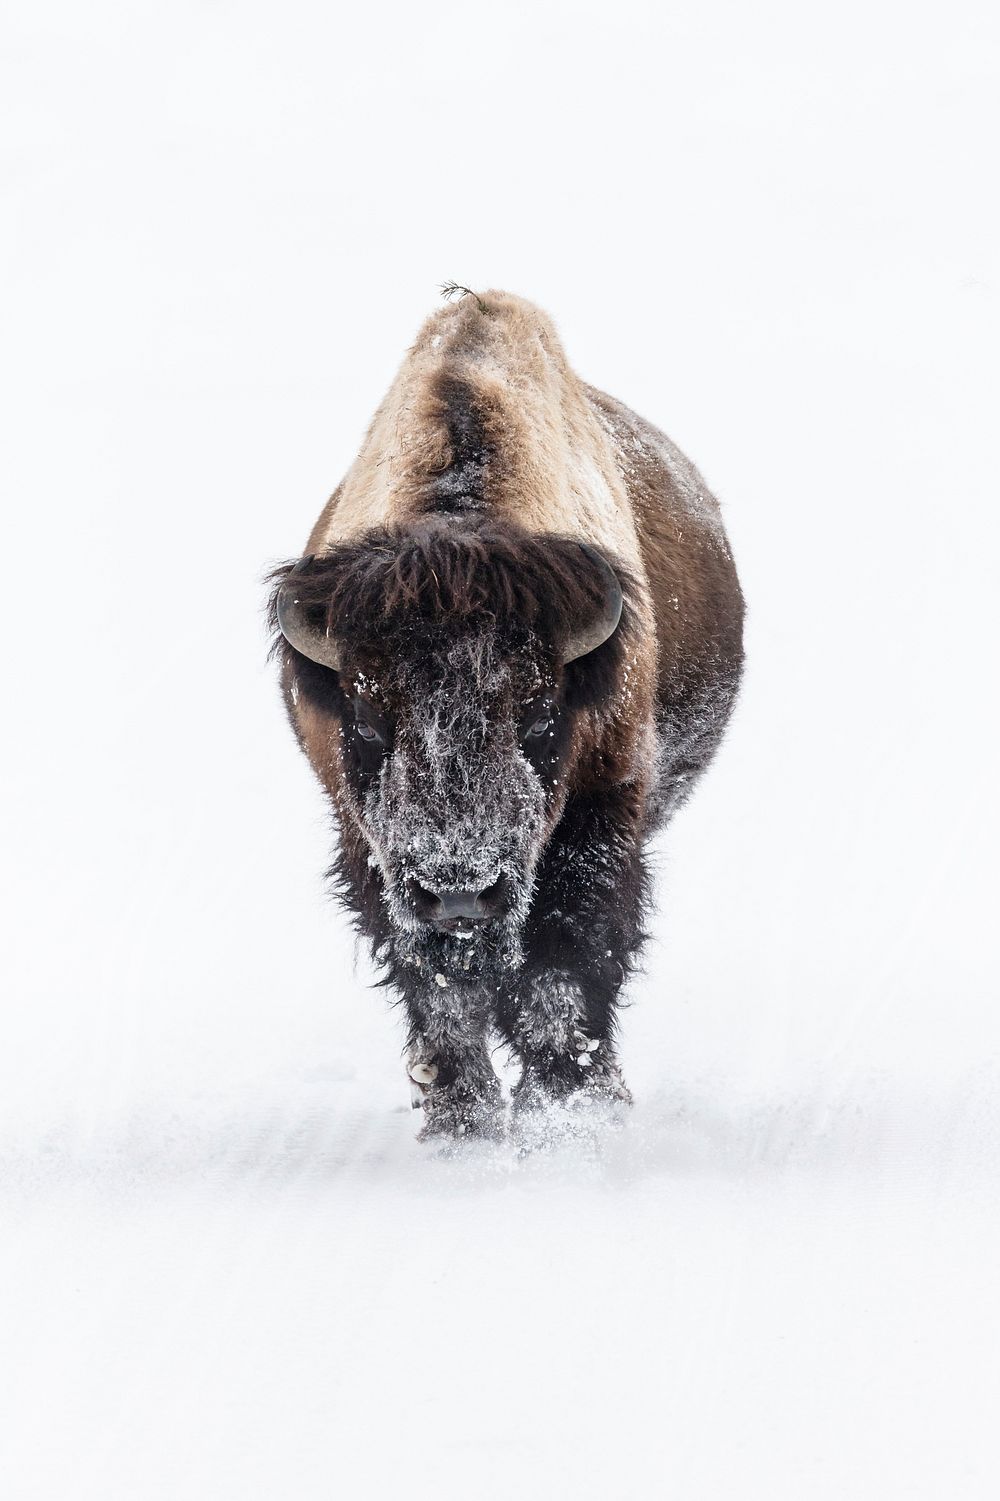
[226,1270]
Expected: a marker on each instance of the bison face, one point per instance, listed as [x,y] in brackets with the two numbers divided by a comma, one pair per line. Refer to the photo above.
[452,759]
[437,675]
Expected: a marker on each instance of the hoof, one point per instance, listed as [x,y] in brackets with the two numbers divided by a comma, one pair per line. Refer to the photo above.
[587,1078]
[446,1120]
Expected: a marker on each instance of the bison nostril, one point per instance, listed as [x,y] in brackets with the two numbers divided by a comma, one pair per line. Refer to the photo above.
[425,903]
[492,896]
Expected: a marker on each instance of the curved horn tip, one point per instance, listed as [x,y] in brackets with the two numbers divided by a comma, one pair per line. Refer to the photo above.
[311,640]
[602,627]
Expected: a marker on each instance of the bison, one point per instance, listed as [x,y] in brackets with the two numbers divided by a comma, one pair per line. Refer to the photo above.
[511,647]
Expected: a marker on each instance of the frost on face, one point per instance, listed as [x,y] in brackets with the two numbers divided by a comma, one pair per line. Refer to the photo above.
[367,687]
[457,805]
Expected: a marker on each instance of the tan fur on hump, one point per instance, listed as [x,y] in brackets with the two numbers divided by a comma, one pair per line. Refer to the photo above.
[556,471]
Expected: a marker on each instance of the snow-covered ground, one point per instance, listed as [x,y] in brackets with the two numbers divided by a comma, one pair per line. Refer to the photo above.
[226,1268]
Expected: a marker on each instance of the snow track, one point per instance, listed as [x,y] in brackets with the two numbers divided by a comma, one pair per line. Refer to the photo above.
[281,1293]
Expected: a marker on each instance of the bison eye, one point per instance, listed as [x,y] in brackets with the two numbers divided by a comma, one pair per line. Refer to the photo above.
[365,731]
[541,725]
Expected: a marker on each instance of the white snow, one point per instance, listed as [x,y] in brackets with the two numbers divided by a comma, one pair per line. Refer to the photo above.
[226,1268]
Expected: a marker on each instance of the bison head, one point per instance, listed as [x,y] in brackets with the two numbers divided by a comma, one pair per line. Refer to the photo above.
[446,681]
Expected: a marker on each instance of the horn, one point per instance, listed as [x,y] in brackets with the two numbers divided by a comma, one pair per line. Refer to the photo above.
[594,632]
[311,640]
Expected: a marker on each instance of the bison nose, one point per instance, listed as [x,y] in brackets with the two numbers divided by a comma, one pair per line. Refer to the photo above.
[452,905]
[460,904]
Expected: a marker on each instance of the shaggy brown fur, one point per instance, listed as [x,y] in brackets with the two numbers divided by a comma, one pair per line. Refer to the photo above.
[448,567]
[473,387]
[436,573]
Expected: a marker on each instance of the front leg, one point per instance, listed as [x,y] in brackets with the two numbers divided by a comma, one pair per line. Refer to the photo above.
[582,939]
[566,1044]
[451,1073]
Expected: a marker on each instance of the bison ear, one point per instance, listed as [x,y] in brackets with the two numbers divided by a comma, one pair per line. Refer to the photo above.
[311,639]
[603,622]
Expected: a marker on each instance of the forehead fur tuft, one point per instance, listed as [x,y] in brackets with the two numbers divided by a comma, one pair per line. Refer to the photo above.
[446,572]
